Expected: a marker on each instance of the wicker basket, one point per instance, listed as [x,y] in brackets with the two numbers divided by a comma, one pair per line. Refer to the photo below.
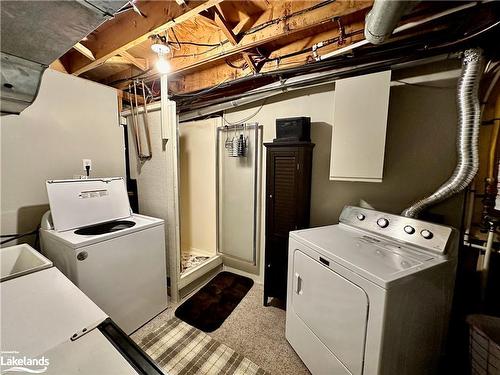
[484,344]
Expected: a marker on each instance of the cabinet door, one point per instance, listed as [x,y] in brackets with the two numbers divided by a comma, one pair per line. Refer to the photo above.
[358,135]
[282,193]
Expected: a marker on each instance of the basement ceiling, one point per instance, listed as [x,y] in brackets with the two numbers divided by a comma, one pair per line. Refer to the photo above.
[218,41]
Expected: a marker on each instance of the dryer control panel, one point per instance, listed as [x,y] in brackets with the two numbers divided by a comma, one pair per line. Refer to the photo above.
[433,237]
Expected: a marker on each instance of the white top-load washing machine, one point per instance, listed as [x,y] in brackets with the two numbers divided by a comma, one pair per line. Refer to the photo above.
[371,295]
[114,256]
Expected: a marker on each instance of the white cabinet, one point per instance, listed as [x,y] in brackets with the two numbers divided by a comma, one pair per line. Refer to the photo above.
[359,127]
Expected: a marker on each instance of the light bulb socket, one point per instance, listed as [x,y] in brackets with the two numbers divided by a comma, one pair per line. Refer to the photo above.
[160,49]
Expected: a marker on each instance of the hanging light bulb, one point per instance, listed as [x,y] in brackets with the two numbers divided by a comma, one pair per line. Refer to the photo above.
[161,48]
[162,65]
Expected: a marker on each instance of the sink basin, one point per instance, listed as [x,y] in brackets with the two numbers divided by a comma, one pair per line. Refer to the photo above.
[20,260]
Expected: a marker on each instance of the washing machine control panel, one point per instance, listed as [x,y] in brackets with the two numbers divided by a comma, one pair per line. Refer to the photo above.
[433,237]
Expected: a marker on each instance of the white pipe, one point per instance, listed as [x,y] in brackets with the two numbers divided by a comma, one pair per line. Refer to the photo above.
[165,125]
[473,245]
[488,249]
[205,111]
[486,262]
[407,26]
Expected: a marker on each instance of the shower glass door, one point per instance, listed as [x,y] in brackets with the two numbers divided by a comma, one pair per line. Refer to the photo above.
[238,155]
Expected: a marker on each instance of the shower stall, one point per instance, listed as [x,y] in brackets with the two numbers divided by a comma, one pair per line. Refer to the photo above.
[219,174]
[204,182]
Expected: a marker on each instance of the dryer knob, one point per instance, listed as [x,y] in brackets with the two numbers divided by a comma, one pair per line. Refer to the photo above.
[427,234]
[360,217]
[382,222]
[409,229]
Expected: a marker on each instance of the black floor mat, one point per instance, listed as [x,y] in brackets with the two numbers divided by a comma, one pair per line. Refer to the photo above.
[211,305]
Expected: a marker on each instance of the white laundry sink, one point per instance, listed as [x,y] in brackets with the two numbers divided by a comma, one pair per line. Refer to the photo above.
[20,260]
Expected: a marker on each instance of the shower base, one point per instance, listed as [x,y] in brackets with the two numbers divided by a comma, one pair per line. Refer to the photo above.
[189,261]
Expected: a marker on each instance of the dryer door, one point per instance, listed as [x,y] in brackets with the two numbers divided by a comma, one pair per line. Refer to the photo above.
[333,308]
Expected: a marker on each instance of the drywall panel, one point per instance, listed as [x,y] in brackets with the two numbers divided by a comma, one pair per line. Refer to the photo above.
[71,119]
[359,124]
[419,151]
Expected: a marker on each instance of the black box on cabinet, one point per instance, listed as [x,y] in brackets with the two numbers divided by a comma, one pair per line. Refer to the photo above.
[293,129]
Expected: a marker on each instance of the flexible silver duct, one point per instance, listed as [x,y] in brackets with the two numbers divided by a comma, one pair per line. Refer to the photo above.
[469,114]
[384,17]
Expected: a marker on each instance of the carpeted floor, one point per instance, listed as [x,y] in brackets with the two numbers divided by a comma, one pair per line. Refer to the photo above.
[252,330]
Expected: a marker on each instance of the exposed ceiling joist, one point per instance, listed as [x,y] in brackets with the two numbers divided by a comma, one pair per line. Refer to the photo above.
[213,75]
[125,61]
[224,26]
[251,64]
[84,51]
[130,97]
[112,40]
[308,22]
[142,64]
[57,65]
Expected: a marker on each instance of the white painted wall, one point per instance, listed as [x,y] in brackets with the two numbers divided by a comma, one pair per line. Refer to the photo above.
[153,183]
[420,150]
[71,119]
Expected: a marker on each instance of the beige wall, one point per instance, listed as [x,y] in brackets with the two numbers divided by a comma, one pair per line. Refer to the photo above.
[197,186]
[70,120]
[420,150]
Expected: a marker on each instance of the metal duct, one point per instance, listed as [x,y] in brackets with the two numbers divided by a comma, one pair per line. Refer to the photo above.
[469,120]
[384,17]
[34,34]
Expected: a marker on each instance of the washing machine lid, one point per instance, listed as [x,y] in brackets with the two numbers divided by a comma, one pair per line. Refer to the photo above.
[79,203]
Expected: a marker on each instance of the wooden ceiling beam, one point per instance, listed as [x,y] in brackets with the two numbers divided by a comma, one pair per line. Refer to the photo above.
[251,64]
[138,62]
[130,29]
[84,51]
[122,60]
[213,75]
[311,21]
[129,97]
[224,26]
[58,65]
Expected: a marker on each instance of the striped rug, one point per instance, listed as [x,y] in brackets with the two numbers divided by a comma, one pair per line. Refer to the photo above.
[180,349]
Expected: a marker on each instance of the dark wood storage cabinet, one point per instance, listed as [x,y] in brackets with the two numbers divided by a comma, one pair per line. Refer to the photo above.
[288,197]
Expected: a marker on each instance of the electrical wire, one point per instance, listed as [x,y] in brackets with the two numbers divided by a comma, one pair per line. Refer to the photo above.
[17,236]
[205,91]
[426,86]
[246,118]
[196,54]
[176,40]
[287,16]
[130,78]
[251,30]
